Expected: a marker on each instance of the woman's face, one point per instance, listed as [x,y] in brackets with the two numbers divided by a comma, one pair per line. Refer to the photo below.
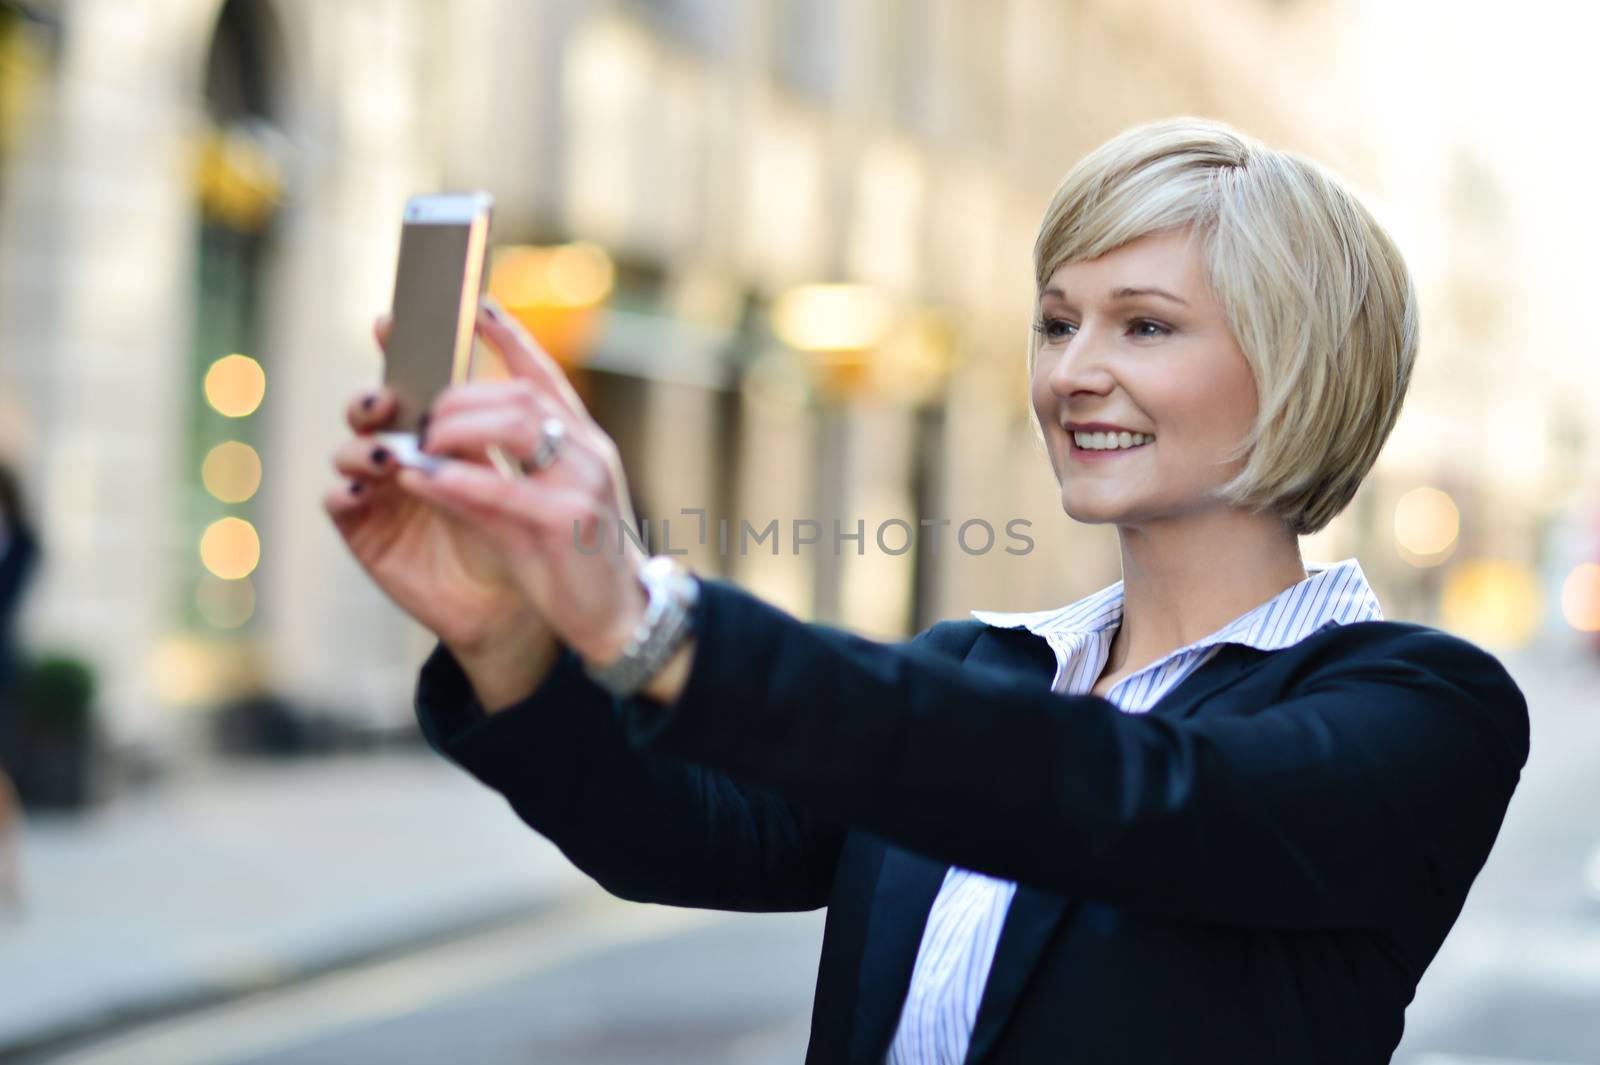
[1136,339]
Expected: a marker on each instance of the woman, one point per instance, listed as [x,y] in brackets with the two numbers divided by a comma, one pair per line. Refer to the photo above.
[1218,811]
[19,553]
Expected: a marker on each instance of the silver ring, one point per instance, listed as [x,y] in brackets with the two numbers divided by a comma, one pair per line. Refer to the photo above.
[551,434]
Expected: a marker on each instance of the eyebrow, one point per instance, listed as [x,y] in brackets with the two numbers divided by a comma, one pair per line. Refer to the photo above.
[1124,293]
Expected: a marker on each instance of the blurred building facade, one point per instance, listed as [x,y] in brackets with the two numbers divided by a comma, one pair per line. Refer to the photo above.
[191,181]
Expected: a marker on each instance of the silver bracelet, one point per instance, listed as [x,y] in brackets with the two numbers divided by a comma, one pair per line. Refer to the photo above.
[667,624]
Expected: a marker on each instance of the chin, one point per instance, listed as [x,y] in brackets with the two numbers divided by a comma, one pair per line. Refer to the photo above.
[1089,513]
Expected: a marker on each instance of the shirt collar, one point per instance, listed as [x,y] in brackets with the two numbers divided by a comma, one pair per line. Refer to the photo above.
[1333,593]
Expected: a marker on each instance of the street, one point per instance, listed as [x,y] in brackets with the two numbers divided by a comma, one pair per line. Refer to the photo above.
[593,980]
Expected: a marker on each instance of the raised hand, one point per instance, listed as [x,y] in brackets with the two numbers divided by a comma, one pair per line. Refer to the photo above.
[557,528]
[441,570]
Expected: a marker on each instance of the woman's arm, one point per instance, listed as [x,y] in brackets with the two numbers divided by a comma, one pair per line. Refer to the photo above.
[1370,797]
[646,826]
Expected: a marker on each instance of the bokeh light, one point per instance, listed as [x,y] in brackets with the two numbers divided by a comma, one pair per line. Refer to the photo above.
[579,275]
[556,293]
[832,317]
[225,604]
[567,275]
[181,670]
[230,548]
[1580,600]
[235,385]
[1426,524]
[232,471]
[1494,602]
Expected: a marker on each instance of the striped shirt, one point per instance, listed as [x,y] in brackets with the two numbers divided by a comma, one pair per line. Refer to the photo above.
[963,928]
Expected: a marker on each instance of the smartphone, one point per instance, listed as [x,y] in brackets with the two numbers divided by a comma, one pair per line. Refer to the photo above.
[444,252]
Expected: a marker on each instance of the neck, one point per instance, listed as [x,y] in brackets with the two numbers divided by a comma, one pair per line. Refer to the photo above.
[1183,579]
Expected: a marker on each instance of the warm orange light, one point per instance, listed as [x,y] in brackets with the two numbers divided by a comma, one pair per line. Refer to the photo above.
[578,275]
[232,472]
[516,278]
[555,292]
[1494,602]
[230,548]
[1580,597]
[235,385]
[568,275]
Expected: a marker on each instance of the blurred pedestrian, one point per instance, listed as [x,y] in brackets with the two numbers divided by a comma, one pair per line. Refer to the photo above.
[1219,811]
[19,552]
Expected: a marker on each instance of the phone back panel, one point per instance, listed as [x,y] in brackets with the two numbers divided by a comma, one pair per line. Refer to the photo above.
[437,287]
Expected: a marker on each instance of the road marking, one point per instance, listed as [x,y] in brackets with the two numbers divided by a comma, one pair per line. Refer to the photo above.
[278,1020]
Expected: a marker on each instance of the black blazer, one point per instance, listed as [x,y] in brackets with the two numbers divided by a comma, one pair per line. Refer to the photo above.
[1257,870]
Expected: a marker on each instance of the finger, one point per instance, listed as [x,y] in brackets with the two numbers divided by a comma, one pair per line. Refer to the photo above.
[469,433]
[524,357]
[346,501]
[380,330]
[523,395]
[526,402]
[473,433]
[510,534]
[523,399]
[529,505]
[364,458]
[371,410]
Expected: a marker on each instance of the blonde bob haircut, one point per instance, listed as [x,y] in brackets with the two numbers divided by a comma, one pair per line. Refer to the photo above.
[1313,289]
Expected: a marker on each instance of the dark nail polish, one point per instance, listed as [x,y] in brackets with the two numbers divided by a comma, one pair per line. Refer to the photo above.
[380,455]
[422,428]
[370,401]
[356,488]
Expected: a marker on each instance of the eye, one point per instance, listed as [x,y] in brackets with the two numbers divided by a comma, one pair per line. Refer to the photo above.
[1148,327]
[1053,328]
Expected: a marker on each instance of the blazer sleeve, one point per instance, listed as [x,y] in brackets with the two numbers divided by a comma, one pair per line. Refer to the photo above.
[647,827]
[1368,798]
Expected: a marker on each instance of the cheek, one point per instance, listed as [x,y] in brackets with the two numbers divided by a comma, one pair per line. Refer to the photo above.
[1195,432]
[1043,399]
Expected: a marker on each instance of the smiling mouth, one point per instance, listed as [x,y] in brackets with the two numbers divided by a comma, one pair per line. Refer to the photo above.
[1106,445]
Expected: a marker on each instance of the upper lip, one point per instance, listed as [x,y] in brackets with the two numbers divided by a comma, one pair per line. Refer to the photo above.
[1101,427]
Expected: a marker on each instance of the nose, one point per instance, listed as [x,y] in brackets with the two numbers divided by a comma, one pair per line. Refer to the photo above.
[1080,365]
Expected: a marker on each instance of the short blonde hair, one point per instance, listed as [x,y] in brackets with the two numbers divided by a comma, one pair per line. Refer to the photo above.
[1313,288]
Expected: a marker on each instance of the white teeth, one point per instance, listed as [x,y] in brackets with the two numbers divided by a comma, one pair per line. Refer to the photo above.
[1109,441]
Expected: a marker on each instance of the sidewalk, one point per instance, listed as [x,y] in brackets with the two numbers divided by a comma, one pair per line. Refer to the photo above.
[245,876]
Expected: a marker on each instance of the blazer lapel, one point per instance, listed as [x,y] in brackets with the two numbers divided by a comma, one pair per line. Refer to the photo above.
[1029,923]
[907,885]
[1034,913]
[1224,668]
